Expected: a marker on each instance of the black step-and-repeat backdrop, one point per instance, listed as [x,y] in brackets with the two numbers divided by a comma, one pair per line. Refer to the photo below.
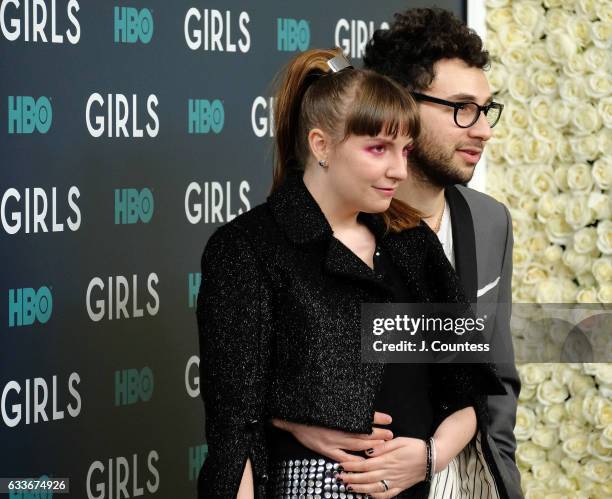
[129,131]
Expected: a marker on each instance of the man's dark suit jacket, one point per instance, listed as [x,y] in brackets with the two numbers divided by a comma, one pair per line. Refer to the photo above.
[482,241]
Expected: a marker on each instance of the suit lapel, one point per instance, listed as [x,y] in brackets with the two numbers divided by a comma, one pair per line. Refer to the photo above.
[464,242]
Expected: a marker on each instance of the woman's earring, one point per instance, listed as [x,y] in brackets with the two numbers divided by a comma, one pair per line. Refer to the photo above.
[322,163]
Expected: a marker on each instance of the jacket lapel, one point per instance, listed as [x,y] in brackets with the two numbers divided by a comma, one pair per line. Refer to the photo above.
[464,242]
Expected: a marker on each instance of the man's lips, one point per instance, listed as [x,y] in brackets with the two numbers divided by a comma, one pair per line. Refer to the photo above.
[470,155]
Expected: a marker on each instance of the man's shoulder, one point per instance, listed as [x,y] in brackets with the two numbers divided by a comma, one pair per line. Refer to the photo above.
[483,205]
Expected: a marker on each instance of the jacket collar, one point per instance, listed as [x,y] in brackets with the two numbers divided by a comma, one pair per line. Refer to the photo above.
[300,218]
[464,241]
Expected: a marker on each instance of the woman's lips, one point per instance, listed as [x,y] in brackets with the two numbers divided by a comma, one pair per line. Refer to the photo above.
[387,191]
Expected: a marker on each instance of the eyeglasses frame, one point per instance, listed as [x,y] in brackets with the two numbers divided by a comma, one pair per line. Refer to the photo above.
[458,105]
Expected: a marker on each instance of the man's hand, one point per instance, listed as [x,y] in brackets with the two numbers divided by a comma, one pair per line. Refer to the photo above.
[334,443]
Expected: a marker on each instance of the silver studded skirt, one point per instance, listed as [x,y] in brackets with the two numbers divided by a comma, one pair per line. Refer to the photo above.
[315,479]
[307,479]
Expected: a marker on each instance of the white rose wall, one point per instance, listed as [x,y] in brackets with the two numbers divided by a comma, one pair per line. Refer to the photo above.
[550,162]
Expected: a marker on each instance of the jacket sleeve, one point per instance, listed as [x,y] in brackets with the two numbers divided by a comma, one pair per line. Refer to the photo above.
[502,408]
[233,315]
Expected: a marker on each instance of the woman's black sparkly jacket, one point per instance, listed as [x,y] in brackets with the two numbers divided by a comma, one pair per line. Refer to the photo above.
[279,323]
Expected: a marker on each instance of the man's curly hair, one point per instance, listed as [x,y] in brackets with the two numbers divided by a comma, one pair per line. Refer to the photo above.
[417,39]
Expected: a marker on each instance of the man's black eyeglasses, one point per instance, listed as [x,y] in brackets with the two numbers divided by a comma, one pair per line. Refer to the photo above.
[467,113]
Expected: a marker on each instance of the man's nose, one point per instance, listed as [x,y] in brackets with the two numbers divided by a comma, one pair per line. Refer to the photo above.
[481,129]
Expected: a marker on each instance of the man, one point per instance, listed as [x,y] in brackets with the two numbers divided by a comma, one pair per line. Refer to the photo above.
[442,62]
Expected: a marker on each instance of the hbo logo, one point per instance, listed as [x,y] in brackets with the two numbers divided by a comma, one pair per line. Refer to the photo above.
[26,114]
[132,206]
[292,35]
[27,305]
[132,386]
[204,116]
[132,25]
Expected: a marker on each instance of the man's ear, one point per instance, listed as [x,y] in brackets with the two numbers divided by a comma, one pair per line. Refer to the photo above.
[319,143]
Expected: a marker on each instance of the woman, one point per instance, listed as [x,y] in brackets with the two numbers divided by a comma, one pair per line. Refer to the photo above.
[282,286]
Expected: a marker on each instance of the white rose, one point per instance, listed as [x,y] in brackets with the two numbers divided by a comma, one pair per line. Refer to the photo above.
[603,413]
[499,17]
[572,91]
[604,237]
[514,57]
[517,180]
[577,212]
[579,385]
[596,58]
[602,34]
[545,471]
[537,243]
[587,295]
[527,205]
[606,437]
[589,406]
[552,4]
[558,230]
[579,263]
[554,414]
[540,109]
[527,393]
[498,79]
[587,7]
[560,177]
[535,273]
[603,372]
[556,20]
[516,116]
[585,240]
[586,280]
[525,423]
[537,151]
[603,10]
[501,132]
[538,55]
[606,390]
[546,207]
[579,177]
[598,85]
[529,16]
[602,269]
[545,437]
[512,35]
[586,119]
[597,450]
[604,142]
[529,454]
[495,155]
[604,108]
[560,46]
[605,293]
[513,150]
[580,29]
[520,258]
[585,148]
[544,132]
[519,87]
[571,467]
[570,429]
[550,392]
[600,204]
[602,173]
[575,66]
[553,254]
[597,471]
[576,447]
[560,114]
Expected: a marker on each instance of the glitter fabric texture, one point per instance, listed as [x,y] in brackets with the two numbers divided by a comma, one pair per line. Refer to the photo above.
[279,324]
